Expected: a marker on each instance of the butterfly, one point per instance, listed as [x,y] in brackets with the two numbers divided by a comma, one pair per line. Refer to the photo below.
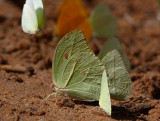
[103,23]
[79,74]
[73,15]
[113,43]
[33,16]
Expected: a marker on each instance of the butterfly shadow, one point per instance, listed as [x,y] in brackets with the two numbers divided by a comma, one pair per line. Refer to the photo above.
[93,103]
[123,113]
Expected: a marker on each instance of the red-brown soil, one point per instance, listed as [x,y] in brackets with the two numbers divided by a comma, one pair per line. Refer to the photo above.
[22,89]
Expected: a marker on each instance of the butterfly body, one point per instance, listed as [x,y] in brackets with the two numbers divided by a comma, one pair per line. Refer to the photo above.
[32,16]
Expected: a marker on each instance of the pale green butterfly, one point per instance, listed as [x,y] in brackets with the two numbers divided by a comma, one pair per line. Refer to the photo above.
[103,22]
[77,72]
[119,80]
[104,99]
[111,44]
[32,16]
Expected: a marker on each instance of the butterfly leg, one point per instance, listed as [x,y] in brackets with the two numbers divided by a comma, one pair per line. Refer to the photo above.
[50,95]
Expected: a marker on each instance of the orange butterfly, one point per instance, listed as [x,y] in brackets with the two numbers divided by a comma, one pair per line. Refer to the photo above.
[72,16]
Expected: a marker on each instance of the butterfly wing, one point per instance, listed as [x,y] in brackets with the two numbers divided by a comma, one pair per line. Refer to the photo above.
[29,19]
[77,71]
[72,16]
[103,22]
[111,44]
[119,79]
[104,100]
[38,6]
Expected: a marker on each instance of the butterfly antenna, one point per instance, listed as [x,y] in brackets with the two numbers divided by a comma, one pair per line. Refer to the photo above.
[42,78]
[43,89]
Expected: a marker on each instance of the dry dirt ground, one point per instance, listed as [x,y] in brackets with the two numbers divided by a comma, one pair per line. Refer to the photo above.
[23,88]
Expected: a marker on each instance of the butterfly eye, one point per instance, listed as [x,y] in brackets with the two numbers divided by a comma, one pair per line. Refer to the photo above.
[66,56]
[83,72]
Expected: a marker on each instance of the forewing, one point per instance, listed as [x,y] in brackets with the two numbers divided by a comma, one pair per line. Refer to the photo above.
[29,18]
[103,22]
[73,15]
[111,44]
[37,4]
[76,69]
[39,8]
[30,4]
[104,100]
[119,79]
[85,81]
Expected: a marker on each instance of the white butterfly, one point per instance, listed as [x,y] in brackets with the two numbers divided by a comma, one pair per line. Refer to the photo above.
[32,16]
